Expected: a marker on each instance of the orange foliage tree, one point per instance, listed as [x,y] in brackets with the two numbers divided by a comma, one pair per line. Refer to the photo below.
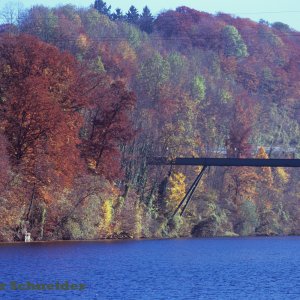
[39,113]
[240,183]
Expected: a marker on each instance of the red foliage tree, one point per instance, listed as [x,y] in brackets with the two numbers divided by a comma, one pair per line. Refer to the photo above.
[240,131]
[39,110]
[191,27]
[107,127]
[4,163]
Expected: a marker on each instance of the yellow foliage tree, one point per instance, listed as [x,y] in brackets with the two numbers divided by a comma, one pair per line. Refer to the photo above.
[107,211]
[266,185]
[82,42]
[176,190]
[283,175]
[126,51]
[265,173]
[138,220]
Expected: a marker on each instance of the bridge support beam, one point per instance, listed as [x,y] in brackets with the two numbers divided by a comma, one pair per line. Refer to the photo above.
[225,162]
[188,196]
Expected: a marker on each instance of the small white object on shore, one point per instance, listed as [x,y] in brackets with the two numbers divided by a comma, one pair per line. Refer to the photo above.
[27,237]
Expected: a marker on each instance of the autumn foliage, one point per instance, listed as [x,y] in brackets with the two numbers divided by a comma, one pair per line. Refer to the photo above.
[42,116]
[87,95]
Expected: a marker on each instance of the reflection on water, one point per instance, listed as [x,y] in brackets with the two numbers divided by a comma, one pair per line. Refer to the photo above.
[222,268]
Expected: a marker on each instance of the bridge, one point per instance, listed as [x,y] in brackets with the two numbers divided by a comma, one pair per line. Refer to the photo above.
[206,162]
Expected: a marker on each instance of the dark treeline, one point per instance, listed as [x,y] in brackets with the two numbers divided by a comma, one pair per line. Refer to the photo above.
[144,21]
[87,94]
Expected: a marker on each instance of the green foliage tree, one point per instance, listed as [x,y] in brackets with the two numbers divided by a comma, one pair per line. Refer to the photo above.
[180,72]
[249,218]
[198,88]
[233,42]
[154,73]
[41,22]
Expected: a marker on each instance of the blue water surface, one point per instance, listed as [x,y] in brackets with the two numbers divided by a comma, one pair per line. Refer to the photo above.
[218,268]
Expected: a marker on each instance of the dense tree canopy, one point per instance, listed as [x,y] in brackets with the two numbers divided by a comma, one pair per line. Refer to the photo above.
[86,95]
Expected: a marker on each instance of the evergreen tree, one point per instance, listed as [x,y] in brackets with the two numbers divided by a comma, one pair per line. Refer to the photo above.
[146,20]
[117,15]
[132,15]
[102,7]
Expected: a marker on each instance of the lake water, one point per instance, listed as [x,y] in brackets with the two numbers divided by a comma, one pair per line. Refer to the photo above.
[219,268]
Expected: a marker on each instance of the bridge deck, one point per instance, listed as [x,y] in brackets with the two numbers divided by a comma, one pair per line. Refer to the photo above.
[229,162]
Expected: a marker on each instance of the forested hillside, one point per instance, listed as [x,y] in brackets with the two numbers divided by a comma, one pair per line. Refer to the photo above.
[87,94]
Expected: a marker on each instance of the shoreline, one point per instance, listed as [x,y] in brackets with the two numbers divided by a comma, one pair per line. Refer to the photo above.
[143,239]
